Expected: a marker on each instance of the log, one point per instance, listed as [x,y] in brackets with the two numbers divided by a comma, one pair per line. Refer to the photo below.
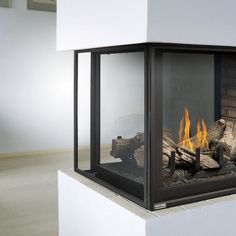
[215,134]
[168,146]
[233,153]
[134,148]
[137,141]
[228,138]
[216,131]
[228,141]
[139,156]
[206,162]
[121,148]
[124,148]
[214,148]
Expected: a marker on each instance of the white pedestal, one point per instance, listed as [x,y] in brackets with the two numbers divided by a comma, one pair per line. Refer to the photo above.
[88,209]
[100,23]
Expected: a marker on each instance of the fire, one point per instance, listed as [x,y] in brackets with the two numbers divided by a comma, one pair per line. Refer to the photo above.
[186,140]
[204,142]
[200,140]
[199,134]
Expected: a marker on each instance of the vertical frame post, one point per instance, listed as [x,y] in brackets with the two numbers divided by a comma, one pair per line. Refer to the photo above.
[198,159]
[156,124]
[95,111]
[146,126]
[172,163]
[75,110]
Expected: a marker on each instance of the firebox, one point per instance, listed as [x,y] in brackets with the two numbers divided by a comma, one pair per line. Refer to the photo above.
[160,120]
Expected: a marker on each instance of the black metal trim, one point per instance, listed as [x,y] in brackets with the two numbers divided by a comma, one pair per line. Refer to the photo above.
[115,49]
[95,118]
[75,110]
[124,183]
[200,197]
[95,111]
[164,46]
[154,192]
[147,128]
[162,193]
[156,123]
[92,176]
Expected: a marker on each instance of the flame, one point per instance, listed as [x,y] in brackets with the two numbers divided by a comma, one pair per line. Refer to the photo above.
[199,134]
[200,140]
[186,140]
[204,143]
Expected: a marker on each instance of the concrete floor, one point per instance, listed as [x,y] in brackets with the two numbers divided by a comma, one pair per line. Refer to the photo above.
[28,194]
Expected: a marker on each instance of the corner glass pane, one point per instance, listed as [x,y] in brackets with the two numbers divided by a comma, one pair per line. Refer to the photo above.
[122,115]
[84,85]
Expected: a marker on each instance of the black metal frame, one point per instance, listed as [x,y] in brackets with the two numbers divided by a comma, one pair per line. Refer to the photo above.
[154,195]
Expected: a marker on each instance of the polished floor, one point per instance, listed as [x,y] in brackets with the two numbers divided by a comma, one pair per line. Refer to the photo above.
[28,194]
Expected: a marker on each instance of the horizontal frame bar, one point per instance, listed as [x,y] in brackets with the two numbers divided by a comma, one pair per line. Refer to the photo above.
[92,176]
[164,46]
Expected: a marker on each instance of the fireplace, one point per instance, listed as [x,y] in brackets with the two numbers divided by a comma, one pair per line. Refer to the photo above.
[158,121]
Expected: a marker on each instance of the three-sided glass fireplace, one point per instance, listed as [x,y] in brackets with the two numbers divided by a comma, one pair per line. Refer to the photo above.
[156,122]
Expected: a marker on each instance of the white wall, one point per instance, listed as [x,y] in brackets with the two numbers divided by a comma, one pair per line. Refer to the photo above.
[36,83]
[98,23]
[204,22]
[93,23]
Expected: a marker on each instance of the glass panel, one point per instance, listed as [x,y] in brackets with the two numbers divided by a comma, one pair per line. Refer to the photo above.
[84,81]
[188,112]
[122,114]
[228,91]
[228,109]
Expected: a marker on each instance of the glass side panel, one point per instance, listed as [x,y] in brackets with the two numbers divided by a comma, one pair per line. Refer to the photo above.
[84,84]
[188,113]
[122,114]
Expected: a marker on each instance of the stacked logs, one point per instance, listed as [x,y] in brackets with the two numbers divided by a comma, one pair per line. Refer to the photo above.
[221,134]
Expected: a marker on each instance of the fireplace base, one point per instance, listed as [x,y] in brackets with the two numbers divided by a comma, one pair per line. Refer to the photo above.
[85,206]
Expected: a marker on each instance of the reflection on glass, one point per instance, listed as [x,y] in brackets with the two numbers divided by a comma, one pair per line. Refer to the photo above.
[122,114]
[84,61]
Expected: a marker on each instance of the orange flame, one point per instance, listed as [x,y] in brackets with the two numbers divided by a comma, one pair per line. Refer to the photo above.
[201,136]
[186,140]
[204,143]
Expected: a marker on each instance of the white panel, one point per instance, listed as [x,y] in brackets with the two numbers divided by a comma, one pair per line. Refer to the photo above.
[84,211]
[91,23]
[209,22]
[88,209]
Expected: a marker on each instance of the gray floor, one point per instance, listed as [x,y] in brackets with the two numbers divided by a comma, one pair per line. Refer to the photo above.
[28,194]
